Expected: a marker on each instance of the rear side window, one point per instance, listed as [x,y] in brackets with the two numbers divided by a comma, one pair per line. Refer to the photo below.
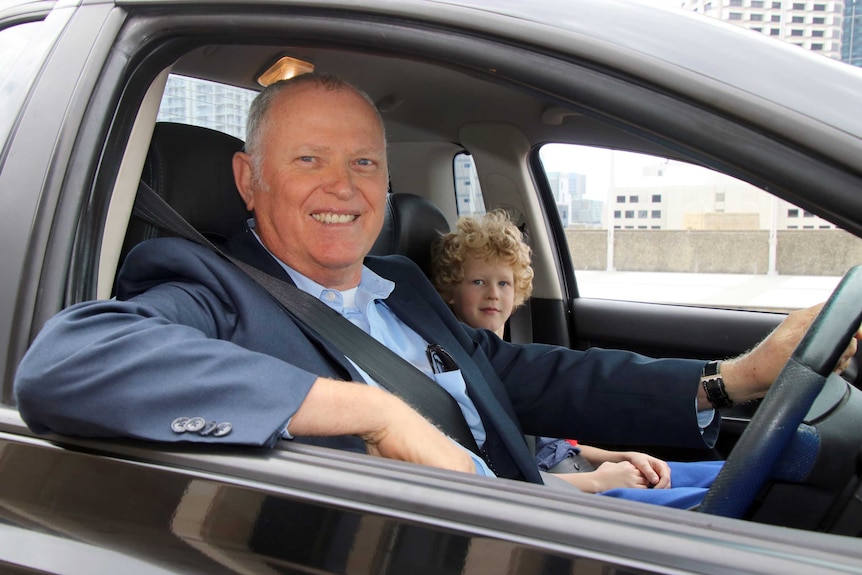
[206,104]
[468,193]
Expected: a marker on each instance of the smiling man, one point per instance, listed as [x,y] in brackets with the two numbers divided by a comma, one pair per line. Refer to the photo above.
[316,180]
[192,339]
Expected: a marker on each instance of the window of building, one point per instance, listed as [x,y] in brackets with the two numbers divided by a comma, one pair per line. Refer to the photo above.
[735,16]
[775,18]
[796,32]
[820,7]
[630,214]
[807,214]
[617,214]
[799,5]
[736,3]
[633,199]
[756,17]
[656,214]
[817,33]
[642,214]
[621,199]
[798,20]
[757,28]
[793,213]
[775,32]
[656,198]
[776,5]
[818,20]
[817,47]
[757,3]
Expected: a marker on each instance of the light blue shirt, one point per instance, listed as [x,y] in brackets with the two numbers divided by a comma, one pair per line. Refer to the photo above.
[365,307]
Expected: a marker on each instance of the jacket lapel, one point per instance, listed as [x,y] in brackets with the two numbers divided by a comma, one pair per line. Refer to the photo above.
[245,247]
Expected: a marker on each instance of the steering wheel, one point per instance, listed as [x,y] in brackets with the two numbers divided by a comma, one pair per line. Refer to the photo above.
[751,463]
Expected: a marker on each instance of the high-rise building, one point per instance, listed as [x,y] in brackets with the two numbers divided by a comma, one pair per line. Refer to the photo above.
[569,189]
[815,25]
[206,104]
[851,40]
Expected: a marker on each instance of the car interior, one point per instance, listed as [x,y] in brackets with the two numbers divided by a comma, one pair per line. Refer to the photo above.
[434,110]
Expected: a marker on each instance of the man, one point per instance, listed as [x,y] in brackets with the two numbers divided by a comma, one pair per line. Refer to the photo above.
[192,338]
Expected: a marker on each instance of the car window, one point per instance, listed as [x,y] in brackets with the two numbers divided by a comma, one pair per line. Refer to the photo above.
[684,234]
[206,104]
[468,193]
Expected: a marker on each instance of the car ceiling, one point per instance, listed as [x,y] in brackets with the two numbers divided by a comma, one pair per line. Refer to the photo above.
[420,101]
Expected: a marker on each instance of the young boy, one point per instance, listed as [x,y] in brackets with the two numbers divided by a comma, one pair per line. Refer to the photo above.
[483,271]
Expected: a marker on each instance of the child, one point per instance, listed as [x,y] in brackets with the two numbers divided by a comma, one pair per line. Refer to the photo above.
[483,271]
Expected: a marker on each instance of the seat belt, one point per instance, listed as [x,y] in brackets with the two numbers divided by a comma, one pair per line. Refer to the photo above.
[387,368]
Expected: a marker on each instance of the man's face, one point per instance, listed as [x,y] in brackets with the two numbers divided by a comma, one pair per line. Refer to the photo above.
[320,198]
[485,298]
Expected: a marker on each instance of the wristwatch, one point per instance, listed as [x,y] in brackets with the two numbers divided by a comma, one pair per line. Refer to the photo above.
[713,385]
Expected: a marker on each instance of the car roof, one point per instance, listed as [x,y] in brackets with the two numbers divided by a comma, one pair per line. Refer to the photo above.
[679,53]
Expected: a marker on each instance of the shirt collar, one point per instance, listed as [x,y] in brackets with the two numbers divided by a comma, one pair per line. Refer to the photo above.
[371,285]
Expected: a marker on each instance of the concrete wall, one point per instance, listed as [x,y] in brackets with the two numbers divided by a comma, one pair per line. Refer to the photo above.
[798,252]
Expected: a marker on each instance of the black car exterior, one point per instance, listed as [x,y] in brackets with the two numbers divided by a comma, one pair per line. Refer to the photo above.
[74,107]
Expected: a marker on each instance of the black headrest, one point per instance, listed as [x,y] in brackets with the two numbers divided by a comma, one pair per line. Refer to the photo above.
[191,168]
[411,225]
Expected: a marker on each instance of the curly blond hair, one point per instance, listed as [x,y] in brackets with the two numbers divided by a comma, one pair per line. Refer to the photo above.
[491,237]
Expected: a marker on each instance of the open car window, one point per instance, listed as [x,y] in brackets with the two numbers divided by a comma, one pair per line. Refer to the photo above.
[651,229]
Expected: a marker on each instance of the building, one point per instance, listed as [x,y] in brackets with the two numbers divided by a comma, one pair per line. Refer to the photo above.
[206,104]
[468,193]
[815,25]
[851,40]
[569,189]
[668,197]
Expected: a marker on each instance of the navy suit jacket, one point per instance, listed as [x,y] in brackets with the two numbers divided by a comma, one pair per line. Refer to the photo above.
[189,335]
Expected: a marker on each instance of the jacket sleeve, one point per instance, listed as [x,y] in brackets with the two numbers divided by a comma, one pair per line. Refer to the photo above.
[176,349]
[599,395]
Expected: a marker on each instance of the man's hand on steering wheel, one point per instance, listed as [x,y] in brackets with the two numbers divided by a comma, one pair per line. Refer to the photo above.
[749,376]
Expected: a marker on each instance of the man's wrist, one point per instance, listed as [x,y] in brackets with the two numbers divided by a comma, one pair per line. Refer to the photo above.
[743,380]
[713,385]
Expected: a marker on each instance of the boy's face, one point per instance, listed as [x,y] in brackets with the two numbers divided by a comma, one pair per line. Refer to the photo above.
[486,296]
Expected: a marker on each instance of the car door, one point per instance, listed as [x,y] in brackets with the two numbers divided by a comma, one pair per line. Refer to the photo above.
[83,135]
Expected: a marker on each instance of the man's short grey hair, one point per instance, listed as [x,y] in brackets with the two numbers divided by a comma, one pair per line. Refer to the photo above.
[258,113]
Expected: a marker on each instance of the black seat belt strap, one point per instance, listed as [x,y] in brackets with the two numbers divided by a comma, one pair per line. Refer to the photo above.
[386,367]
